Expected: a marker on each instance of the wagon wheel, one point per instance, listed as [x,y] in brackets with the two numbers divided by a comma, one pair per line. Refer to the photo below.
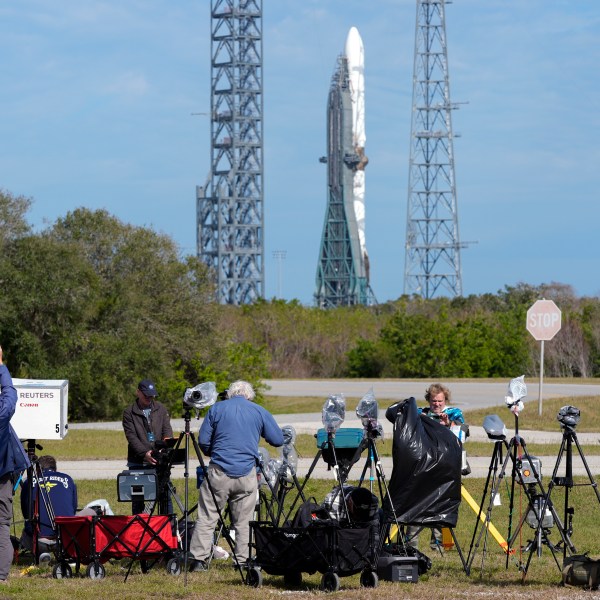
[173,567]
[62,570]
[330,582]
[369,579]
[254,577]
[95,571]
[292,579]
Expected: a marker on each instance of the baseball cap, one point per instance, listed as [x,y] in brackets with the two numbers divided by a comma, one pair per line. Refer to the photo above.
[147,387]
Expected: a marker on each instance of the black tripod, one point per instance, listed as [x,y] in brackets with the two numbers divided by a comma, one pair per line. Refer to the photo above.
[286,480]
[167,457]
[38,492]
[530,482]
[186,437]
[341,468]
[373,465]
[569,437]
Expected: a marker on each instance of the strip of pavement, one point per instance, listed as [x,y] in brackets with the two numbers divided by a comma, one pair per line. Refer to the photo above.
[480,467]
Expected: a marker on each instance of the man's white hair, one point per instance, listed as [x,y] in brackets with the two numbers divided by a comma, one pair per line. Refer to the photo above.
[241,388]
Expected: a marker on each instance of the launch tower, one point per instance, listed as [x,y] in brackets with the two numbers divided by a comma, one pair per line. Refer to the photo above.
[343,268]
[229,208]
[432,259]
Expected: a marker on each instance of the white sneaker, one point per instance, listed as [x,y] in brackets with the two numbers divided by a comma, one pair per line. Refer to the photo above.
[220,553]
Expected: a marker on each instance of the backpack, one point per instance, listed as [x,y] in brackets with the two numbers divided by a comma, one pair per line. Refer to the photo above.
[311,514]
[581,570]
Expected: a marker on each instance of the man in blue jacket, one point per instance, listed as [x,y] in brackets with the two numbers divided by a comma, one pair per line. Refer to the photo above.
[13,459]
[230,434]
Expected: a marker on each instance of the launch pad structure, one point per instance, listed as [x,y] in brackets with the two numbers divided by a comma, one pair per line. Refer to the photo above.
[229,207]
[343,267]
[432,257]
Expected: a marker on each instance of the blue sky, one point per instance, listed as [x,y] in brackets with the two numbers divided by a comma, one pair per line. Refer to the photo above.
[96,106]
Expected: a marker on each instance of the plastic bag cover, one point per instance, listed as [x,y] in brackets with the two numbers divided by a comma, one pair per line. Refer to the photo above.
[425,482]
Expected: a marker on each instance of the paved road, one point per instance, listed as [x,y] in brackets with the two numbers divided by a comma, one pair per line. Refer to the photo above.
[466,395]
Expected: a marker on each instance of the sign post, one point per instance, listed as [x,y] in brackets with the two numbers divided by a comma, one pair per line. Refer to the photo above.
[543,323]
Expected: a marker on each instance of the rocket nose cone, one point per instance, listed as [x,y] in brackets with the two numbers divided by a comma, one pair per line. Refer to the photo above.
[354,42]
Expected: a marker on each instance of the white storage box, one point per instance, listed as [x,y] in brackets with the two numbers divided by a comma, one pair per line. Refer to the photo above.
[42,406]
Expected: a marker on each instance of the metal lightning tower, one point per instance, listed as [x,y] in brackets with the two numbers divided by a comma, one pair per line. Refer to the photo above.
[432,259]
[343,268]
[229,207]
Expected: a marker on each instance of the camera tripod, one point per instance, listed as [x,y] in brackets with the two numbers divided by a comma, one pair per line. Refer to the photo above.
[566,448]
[530,487]
[36,495]
[280,490]
[166,490]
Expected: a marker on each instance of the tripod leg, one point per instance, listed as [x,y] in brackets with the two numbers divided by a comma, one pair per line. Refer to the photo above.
[512,452]
[466,568]
[491,477]
[586,466]
[539,504]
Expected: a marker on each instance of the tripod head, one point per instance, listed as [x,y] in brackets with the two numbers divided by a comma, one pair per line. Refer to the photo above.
[367,411]
[568,417]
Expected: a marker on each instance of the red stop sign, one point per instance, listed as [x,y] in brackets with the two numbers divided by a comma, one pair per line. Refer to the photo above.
[543,320]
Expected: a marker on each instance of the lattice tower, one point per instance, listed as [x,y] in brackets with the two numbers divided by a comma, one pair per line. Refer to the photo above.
[432,259]
[230,219]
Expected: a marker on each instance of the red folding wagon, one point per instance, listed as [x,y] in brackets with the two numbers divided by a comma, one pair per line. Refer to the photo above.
[93,540]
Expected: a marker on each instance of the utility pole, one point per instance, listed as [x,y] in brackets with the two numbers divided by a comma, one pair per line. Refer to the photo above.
[279,256]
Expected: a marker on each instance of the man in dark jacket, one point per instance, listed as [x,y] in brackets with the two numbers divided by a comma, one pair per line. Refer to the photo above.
[13,459]
[230,434]
[145,422]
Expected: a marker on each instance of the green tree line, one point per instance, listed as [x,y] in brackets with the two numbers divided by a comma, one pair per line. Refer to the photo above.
[104,304]
[475,336]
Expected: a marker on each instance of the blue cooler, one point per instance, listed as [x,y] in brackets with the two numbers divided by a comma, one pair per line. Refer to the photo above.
[345,441]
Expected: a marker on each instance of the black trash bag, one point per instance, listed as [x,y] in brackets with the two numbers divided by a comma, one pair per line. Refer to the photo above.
[426,456]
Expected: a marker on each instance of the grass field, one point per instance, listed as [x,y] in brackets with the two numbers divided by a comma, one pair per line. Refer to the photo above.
[490,577]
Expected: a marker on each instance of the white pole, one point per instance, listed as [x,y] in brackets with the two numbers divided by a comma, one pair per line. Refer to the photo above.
[280,256]
[541,378]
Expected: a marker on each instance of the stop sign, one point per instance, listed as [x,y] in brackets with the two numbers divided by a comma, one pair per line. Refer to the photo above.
[543,320]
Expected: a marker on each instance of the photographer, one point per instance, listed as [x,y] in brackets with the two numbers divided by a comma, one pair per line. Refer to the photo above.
[13,459]
[438,396]
[229,435]
[145,422]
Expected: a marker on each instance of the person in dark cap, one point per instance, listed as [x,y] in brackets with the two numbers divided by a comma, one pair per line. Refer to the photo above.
[145,422]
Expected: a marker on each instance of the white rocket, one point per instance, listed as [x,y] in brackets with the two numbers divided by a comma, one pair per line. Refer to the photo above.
[355,55]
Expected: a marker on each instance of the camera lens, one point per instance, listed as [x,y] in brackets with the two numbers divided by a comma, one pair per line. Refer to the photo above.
[196,394]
